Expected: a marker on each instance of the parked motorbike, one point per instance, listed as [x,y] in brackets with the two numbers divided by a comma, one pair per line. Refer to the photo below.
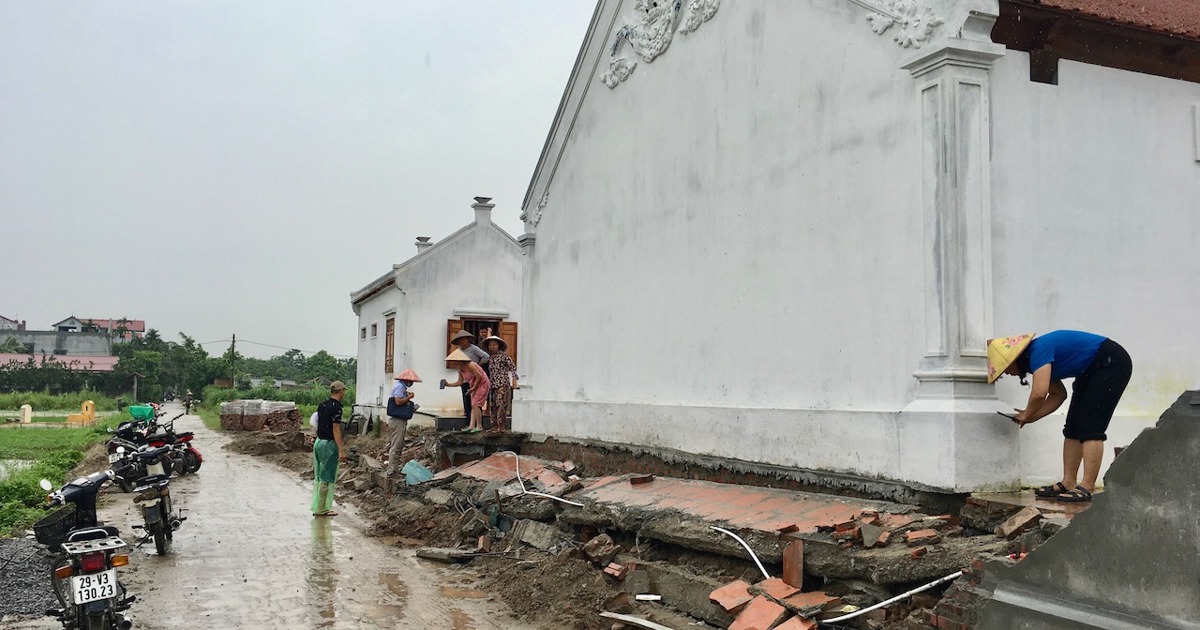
[153,495]
[185,458]
[84,556]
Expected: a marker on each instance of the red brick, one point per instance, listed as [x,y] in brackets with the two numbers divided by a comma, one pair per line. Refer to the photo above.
[787,529]
[776,588]
[883,539]
[618,571]
[918,552]
[845,526]
[793,563]
[640,479]
[797,623]
[1019,523]
[920,537]
[760,614]
[808,603]
[733,596]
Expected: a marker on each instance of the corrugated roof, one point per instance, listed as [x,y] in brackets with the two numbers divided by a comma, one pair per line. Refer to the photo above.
[1173,17]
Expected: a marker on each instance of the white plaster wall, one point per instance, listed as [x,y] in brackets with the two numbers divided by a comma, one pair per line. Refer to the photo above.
[480,269]
[730,261]
[371,385]
[1096,226]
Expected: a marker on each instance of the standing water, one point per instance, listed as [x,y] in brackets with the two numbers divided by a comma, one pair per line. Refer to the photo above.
[10,466]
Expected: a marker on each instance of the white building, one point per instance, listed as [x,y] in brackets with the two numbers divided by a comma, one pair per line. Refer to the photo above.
[470,280]
[784,229]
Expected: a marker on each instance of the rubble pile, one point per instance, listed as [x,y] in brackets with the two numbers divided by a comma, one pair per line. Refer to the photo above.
[653,545]
[259,415]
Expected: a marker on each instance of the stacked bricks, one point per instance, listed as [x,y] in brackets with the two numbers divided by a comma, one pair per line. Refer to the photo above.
[961,603]
[259,415]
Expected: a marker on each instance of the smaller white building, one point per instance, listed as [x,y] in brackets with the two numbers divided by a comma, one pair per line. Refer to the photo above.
[470,280]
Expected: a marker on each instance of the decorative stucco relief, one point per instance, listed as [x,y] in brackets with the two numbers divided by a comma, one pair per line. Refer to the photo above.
[535,216]
[650,30]
[914,20]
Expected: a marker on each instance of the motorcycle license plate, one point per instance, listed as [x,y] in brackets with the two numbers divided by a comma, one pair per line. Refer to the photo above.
[114,457]
[94,586]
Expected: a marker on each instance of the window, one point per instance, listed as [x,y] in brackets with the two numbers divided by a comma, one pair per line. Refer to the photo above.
[374,330]
[362,333]
[504,329]
[389,343]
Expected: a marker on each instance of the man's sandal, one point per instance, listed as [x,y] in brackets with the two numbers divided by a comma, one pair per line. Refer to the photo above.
[1078,495]
[1051,491]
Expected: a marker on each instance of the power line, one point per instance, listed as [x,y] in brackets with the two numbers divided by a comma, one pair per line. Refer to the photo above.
[268,345]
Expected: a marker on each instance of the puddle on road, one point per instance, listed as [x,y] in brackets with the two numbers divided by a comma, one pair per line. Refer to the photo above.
[450,592]
[395,585]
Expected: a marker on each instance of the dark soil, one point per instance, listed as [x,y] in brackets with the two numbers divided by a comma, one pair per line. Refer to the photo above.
[562,587]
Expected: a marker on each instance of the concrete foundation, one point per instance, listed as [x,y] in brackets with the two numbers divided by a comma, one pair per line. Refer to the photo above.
[1130,560]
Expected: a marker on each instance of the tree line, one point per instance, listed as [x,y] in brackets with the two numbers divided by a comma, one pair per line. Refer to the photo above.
[160,367]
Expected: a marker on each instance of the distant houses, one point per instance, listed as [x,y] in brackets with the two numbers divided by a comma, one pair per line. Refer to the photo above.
[84,343]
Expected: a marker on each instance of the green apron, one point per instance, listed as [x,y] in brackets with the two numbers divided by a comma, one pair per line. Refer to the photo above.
[325,465]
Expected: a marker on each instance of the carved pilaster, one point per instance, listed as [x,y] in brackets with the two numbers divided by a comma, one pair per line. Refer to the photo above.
[953,87]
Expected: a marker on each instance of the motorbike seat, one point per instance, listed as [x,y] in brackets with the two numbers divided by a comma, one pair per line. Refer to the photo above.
[151,480]
[180,436]
[93,533]
[151,453]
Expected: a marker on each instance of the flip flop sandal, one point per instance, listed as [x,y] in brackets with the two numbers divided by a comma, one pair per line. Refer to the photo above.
[1078,495]
[1051,491]
[329,513]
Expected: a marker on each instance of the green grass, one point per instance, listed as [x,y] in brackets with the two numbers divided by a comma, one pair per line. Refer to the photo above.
[41,401]
[211,417]
[55,452]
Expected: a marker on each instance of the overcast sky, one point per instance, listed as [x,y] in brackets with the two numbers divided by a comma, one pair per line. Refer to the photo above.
[224,166]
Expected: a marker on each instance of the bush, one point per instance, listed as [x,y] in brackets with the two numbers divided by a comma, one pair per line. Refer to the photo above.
[21,498]
[42,401]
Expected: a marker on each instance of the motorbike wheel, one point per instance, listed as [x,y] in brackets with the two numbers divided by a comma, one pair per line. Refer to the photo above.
[161,545]
[191,461]
[179,465]
[61,588]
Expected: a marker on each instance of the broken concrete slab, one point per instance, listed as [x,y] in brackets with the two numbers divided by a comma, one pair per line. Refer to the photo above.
[872,535]
[683,590]
[809,604]
[894,564]
[539,535]
[1122,560]
[439,496]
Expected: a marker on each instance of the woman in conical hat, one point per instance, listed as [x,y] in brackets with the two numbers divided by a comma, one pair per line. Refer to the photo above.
[1101,369]
[477,386]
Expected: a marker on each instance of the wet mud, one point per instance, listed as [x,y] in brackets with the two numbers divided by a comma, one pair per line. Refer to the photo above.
[251,555]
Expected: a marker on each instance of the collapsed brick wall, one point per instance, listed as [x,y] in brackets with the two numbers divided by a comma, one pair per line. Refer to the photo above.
[962,603]
[260,415]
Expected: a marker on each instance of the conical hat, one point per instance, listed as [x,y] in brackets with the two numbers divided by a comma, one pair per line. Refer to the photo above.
[503,343]
[458,355]
[1002,351]
[461,335]
[408,375]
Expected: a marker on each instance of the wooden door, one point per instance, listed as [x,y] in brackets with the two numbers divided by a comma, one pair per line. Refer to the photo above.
[508,332]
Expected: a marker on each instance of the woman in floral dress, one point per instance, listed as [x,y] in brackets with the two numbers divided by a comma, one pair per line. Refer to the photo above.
[502,372]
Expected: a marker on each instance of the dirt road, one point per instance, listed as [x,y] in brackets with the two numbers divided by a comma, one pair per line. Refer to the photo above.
[251,556]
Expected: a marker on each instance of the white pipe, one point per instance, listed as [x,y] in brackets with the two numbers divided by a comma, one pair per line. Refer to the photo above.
[517,467]
[739,539]
[952,576]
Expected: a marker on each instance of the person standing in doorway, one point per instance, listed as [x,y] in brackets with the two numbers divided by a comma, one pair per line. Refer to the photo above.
[1101,369]
[475,380]
[400,411]
[328,450]
[502,372]
[464,341]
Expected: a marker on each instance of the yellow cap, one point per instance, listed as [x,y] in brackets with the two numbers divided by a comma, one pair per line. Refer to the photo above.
[1002,351]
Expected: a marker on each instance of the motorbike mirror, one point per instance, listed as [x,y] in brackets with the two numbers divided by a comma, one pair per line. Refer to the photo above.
[46,485]
[120,449]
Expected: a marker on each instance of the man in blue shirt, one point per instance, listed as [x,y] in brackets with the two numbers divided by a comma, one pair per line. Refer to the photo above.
[1101,369]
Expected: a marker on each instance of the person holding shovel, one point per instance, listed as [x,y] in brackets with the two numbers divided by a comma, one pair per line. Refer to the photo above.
[1101,369]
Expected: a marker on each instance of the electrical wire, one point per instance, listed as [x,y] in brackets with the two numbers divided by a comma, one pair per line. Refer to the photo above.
[748,549]
[525,491]
[948,578]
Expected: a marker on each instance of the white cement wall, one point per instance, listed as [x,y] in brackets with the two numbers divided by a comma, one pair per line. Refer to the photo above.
[477,269]
[732,245]
[1096,226]
[730,259]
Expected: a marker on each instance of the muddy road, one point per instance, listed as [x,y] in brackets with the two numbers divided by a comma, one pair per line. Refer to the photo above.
[251,555]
